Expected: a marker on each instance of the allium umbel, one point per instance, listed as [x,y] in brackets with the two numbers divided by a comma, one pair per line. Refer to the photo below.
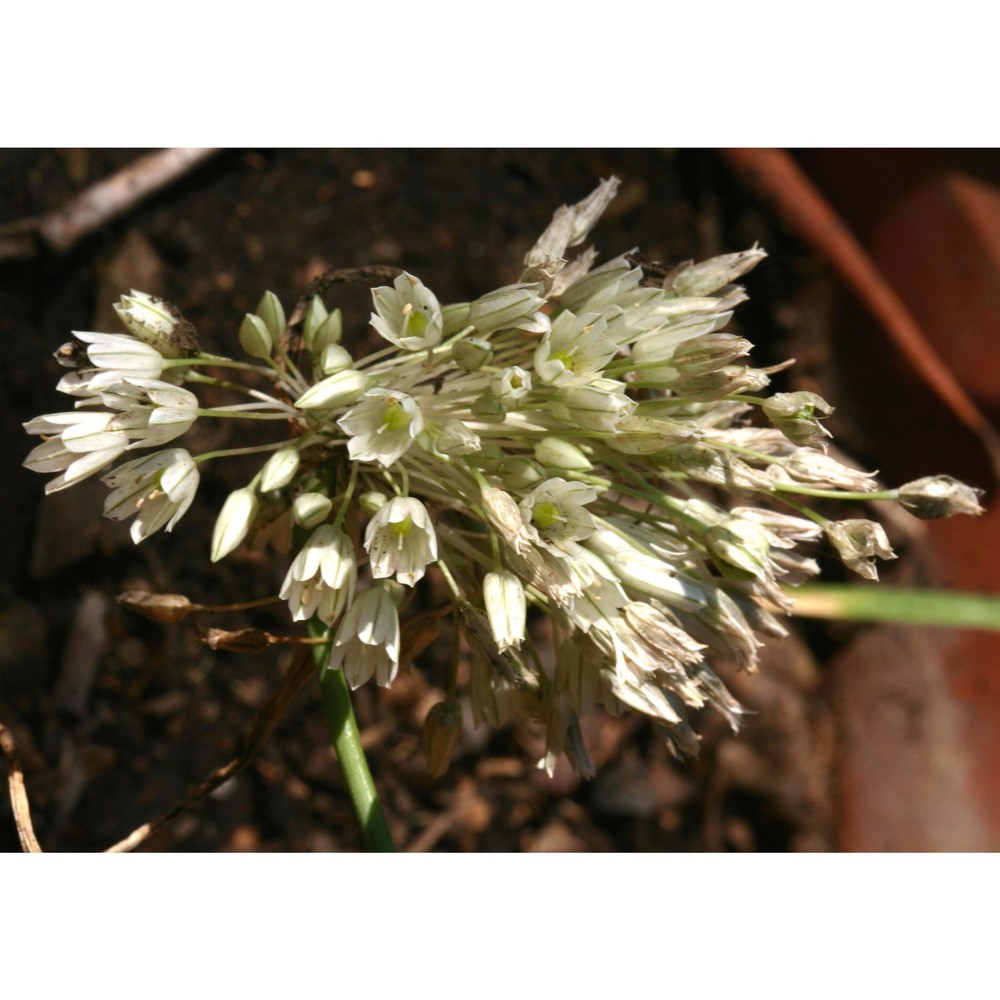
[585,457]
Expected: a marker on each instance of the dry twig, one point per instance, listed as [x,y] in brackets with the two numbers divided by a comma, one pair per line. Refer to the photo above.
[99,204]
[266,719]
[18,793]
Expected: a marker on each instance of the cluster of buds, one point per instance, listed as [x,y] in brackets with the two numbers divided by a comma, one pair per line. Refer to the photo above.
[588,443]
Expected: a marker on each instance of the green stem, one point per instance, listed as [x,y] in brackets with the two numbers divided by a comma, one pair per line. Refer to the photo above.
[347,743]
[859,602]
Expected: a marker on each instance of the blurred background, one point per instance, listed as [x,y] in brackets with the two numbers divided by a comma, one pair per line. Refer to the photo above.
[868,737]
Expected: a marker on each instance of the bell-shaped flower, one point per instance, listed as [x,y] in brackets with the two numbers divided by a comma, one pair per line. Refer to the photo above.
[322,577]
[121,356]
[400,540]
[158,489]
[510,385]
[367,641]
[79,443]
[598,406]
[577,349]
[555,514]
[506,608]
[151,412]
[381,426]
[408,314]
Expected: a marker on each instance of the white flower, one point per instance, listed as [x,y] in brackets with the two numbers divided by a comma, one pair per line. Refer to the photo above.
[513,307]
[322,577]
[367,642]
[342,387]
[158,489]
[575,350]
[80,444]
[604,284]
[382,426]
[400,540]
[408,314]
[510,385]
[643,573]
[555,513]
[234,521]
[598,406]
[120,355]
[152,412]
[506,608]
[78,430]
[151,320]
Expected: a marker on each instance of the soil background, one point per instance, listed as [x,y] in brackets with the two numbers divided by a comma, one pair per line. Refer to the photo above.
[115,717]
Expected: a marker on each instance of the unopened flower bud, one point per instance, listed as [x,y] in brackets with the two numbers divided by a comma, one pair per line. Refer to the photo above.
[310,509]
[155,322]
[234,521]
[489,409]
[255,338]
[372,501]
[516,306]
[557,453]
[270,311]
[455,318]
[335,390]
[521,474]
[939,496]
[442,729]
[333,359]
[328,332]
[490,455]
[708,353]
[716,384]
[316,313]
[711,275]
[279,470]
[472,353]
[639,435]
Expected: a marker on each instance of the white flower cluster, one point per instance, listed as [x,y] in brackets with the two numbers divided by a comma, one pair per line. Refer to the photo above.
[588,442]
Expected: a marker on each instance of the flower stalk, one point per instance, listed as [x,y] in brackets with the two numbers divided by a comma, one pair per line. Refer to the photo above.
[346,740]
